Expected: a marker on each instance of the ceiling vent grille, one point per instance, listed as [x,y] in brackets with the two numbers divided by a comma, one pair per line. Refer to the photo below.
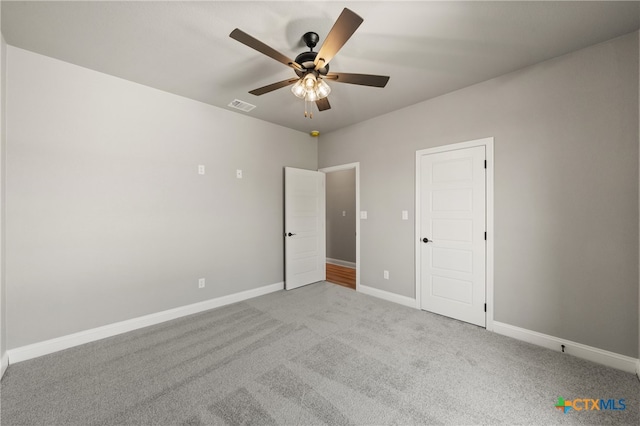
[241,105]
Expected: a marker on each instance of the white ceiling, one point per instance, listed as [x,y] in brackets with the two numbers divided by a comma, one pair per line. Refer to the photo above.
[428,48]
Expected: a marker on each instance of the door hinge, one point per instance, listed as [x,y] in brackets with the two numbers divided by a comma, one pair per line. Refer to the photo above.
[485,235]
[485,307]
[485,164]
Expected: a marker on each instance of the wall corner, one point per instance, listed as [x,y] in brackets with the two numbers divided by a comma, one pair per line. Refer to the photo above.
[638,135]
[3,78]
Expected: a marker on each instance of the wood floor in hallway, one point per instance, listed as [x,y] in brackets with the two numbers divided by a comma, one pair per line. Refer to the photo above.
[341,275]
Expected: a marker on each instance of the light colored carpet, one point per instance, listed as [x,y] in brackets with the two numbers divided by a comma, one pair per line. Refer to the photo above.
[321,354]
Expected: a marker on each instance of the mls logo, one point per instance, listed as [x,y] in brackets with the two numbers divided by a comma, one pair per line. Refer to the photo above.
[587,404]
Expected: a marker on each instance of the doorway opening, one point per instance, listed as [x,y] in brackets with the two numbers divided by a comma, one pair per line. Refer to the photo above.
[343,225]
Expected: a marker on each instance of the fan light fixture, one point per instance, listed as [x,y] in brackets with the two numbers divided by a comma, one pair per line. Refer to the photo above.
[310,88]
[311,67]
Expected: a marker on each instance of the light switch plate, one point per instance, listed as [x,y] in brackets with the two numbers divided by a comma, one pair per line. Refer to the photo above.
[239,174]
[405,215]
[363,215]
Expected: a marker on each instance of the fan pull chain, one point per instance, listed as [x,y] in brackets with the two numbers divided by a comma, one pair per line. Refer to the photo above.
[310,113]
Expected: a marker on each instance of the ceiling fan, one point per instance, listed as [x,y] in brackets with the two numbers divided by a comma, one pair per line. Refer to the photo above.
[312,68]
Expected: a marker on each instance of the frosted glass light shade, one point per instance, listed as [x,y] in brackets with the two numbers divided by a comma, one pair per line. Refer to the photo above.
[322,89]
[309,81]
[299,90]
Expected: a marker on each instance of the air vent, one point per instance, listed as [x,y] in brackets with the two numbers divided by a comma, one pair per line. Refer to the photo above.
[241,105]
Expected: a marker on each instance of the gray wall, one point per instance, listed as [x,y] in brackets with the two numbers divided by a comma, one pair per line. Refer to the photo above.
[107,218]
[341,230]
[566,190]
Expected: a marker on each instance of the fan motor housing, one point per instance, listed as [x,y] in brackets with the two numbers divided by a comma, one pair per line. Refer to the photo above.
[306,59]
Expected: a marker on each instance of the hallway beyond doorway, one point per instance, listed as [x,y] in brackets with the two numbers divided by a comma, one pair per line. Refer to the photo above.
[341,275]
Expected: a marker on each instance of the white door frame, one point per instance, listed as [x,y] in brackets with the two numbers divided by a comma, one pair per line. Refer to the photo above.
[488,144]
[350,166]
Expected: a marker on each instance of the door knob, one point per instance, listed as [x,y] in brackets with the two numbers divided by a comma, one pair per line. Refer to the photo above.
[426,240]
[290,234]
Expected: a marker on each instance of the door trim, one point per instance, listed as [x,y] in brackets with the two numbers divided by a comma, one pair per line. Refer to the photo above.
[350,166]
[488,144]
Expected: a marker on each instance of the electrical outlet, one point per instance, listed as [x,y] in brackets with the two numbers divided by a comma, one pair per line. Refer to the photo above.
[363,215]
[405,215]
[239,174]
[386,275]
[344,213]
[201,169]
[201,283]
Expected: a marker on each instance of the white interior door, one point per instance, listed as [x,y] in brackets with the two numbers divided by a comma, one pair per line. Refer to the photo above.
[304,227]
[452,228]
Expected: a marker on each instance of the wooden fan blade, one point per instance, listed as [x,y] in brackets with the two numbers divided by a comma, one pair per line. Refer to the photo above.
[256,44]
[272,87]
[346,24]
[361,79]
[323,104]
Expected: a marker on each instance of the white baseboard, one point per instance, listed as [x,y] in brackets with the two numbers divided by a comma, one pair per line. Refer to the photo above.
[339,262]
[391,297]
[4,363]
[610,359]
[60,343]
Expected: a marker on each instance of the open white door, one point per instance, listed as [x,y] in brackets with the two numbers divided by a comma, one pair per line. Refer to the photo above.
[304,227]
